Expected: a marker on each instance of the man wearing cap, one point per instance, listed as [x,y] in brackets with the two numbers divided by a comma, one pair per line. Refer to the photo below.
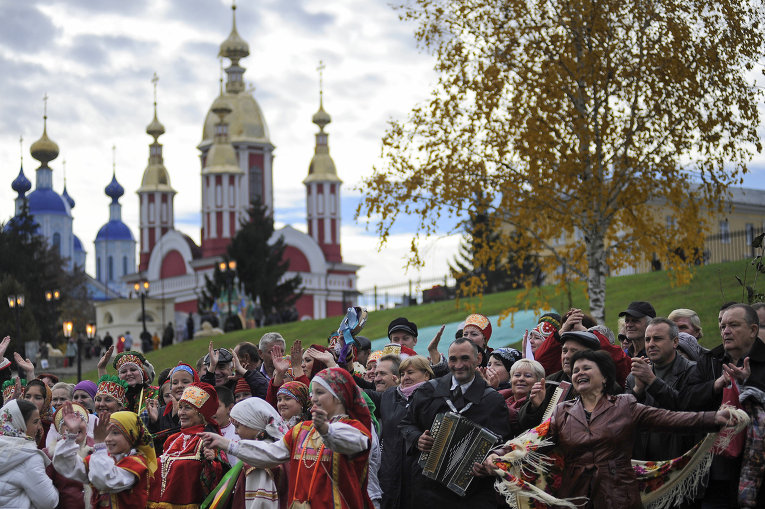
[636,318]
[220,370]
[530,414]
[463,392]
[662,380]
[402,332]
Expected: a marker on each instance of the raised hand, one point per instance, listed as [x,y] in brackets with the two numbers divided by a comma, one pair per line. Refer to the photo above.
[319,417]
[296,356]
[213,358]
[100,430]
[325,357]
[25,364]
[4,345]
[152,408]
[742,374]
[238,368]
[104,361]
[435,355]
[538,393]
[71,418]
[491,377]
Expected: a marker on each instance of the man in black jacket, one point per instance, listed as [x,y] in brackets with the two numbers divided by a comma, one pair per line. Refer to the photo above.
[462,392]
[661,381]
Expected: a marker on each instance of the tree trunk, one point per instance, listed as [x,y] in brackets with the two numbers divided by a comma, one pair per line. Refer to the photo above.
[596,276]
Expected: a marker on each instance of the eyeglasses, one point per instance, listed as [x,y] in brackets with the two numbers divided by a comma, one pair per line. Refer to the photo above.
[224,356]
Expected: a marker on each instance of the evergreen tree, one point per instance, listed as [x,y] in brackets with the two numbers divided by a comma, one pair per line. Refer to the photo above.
[261,266]
[32,267]
[480,265]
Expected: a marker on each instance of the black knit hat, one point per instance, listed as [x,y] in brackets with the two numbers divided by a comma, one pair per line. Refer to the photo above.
[402,324]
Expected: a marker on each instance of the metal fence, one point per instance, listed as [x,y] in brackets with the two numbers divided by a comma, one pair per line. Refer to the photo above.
[414,291]
[730,246]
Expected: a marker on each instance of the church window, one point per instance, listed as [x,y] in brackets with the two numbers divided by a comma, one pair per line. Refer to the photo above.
[124,265]
[98,268]
[255,178]
[110,269]
[57,242]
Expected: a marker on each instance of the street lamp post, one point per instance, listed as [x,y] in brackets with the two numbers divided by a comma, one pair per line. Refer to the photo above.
[51,297]
[142,288]
[228,270]
[16,303]
[68,327]
[90,331]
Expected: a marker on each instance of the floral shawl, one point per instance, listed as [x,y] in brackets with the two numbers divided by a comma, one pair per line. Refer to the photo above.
[527,477]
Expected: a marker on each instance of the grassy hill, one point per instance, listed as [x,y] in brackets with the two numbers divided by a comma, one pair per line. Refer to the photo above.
[711,286]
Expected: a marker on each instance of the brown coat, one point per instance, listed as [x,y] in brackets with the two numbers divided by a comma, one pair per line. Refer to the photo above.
[597,454]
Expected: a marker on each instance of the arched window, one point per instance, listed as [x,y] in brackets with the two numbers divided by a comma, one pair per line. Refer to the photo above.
[98,268]
[57,242]
[124,265]
[110,269]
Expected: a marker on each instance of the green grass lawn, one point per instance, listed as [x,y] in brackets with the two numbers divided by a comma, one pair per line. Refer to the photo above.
[711,286]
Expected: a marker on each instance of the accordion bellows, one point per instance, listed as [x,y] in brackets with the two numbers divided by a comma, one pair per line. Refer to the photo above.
[457,444]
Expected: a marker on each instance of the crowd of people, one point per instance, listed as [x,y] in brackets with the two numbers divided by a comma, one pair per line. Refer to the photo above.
[579,416]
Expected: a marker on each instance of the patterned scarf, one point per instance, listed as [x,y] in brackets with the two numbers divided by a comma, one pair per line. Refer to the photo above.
[47,394]
[526,472]
[12,422]
[341,384]
[137,436]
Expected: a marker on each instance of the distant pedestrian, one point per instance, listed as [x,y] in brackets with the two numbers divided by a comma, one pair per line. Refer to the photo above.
[169,335]
[190,326]
[128,341]
[107,341]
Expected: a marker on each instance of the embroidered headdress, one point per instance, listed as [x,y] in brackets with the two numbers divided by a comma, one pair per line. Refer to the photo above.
[110,385]
[9,390]
[480,321]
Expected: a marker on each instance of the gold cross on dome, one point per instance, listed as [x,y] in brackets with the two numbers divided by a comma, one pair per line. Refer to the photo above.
[154,80]
[321,76]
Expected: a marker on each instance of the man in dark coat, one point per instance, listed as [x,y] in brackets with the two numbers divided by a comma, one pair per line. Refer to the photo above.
[462,392]
[663,383]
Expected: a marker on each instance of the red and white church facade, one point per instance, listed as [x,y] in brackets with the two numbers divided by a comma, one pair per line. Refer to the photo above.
[236,157]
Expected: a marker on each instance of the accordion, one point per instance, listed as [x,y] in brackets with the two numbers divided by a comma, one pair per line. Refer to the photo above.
[457,444]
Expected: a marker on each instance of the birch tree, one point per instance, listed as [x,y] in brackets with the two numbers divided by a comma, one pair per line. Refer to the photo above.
[577,119]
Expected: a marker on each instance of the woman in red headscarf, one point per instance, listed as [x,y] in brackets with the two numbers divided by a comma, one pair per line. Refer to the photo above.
[328,456]
[187,470]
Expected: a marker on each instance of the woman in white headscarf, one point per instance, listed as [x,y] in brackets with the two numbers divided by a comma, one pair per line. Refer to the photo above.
[256,488]
[23,482]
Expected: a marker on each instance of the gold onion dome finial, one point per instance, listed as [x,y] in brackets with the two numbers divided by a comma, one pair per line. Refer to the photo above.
[321,118]
[234,47]
[155,128]
[44,149]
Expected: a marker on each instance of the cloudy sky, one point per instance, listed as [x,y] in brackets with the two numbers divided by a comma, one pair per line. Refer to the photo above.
[95,61]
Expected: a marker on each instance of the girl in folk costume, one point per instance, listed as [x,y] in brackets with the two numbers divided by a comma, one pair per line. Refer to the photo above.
[73,494]
[122,464]
[293,402]
[40,395]
[328,456]
[110,395]
[163,421]
[188,471]
[23,482]
[257,488]
[133,368]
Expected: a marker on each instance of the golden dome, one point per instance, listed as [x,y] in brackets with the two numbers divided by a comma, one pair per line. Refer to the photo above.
[321,118]
[221,159]
[245,123]
[44,149]
[234,47]
[322,169]
[156,178]
[155,128]
[221,107]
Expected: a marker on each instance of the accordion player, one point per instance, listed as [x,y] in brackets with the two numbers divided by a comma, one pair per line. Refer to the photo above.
[458,443]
